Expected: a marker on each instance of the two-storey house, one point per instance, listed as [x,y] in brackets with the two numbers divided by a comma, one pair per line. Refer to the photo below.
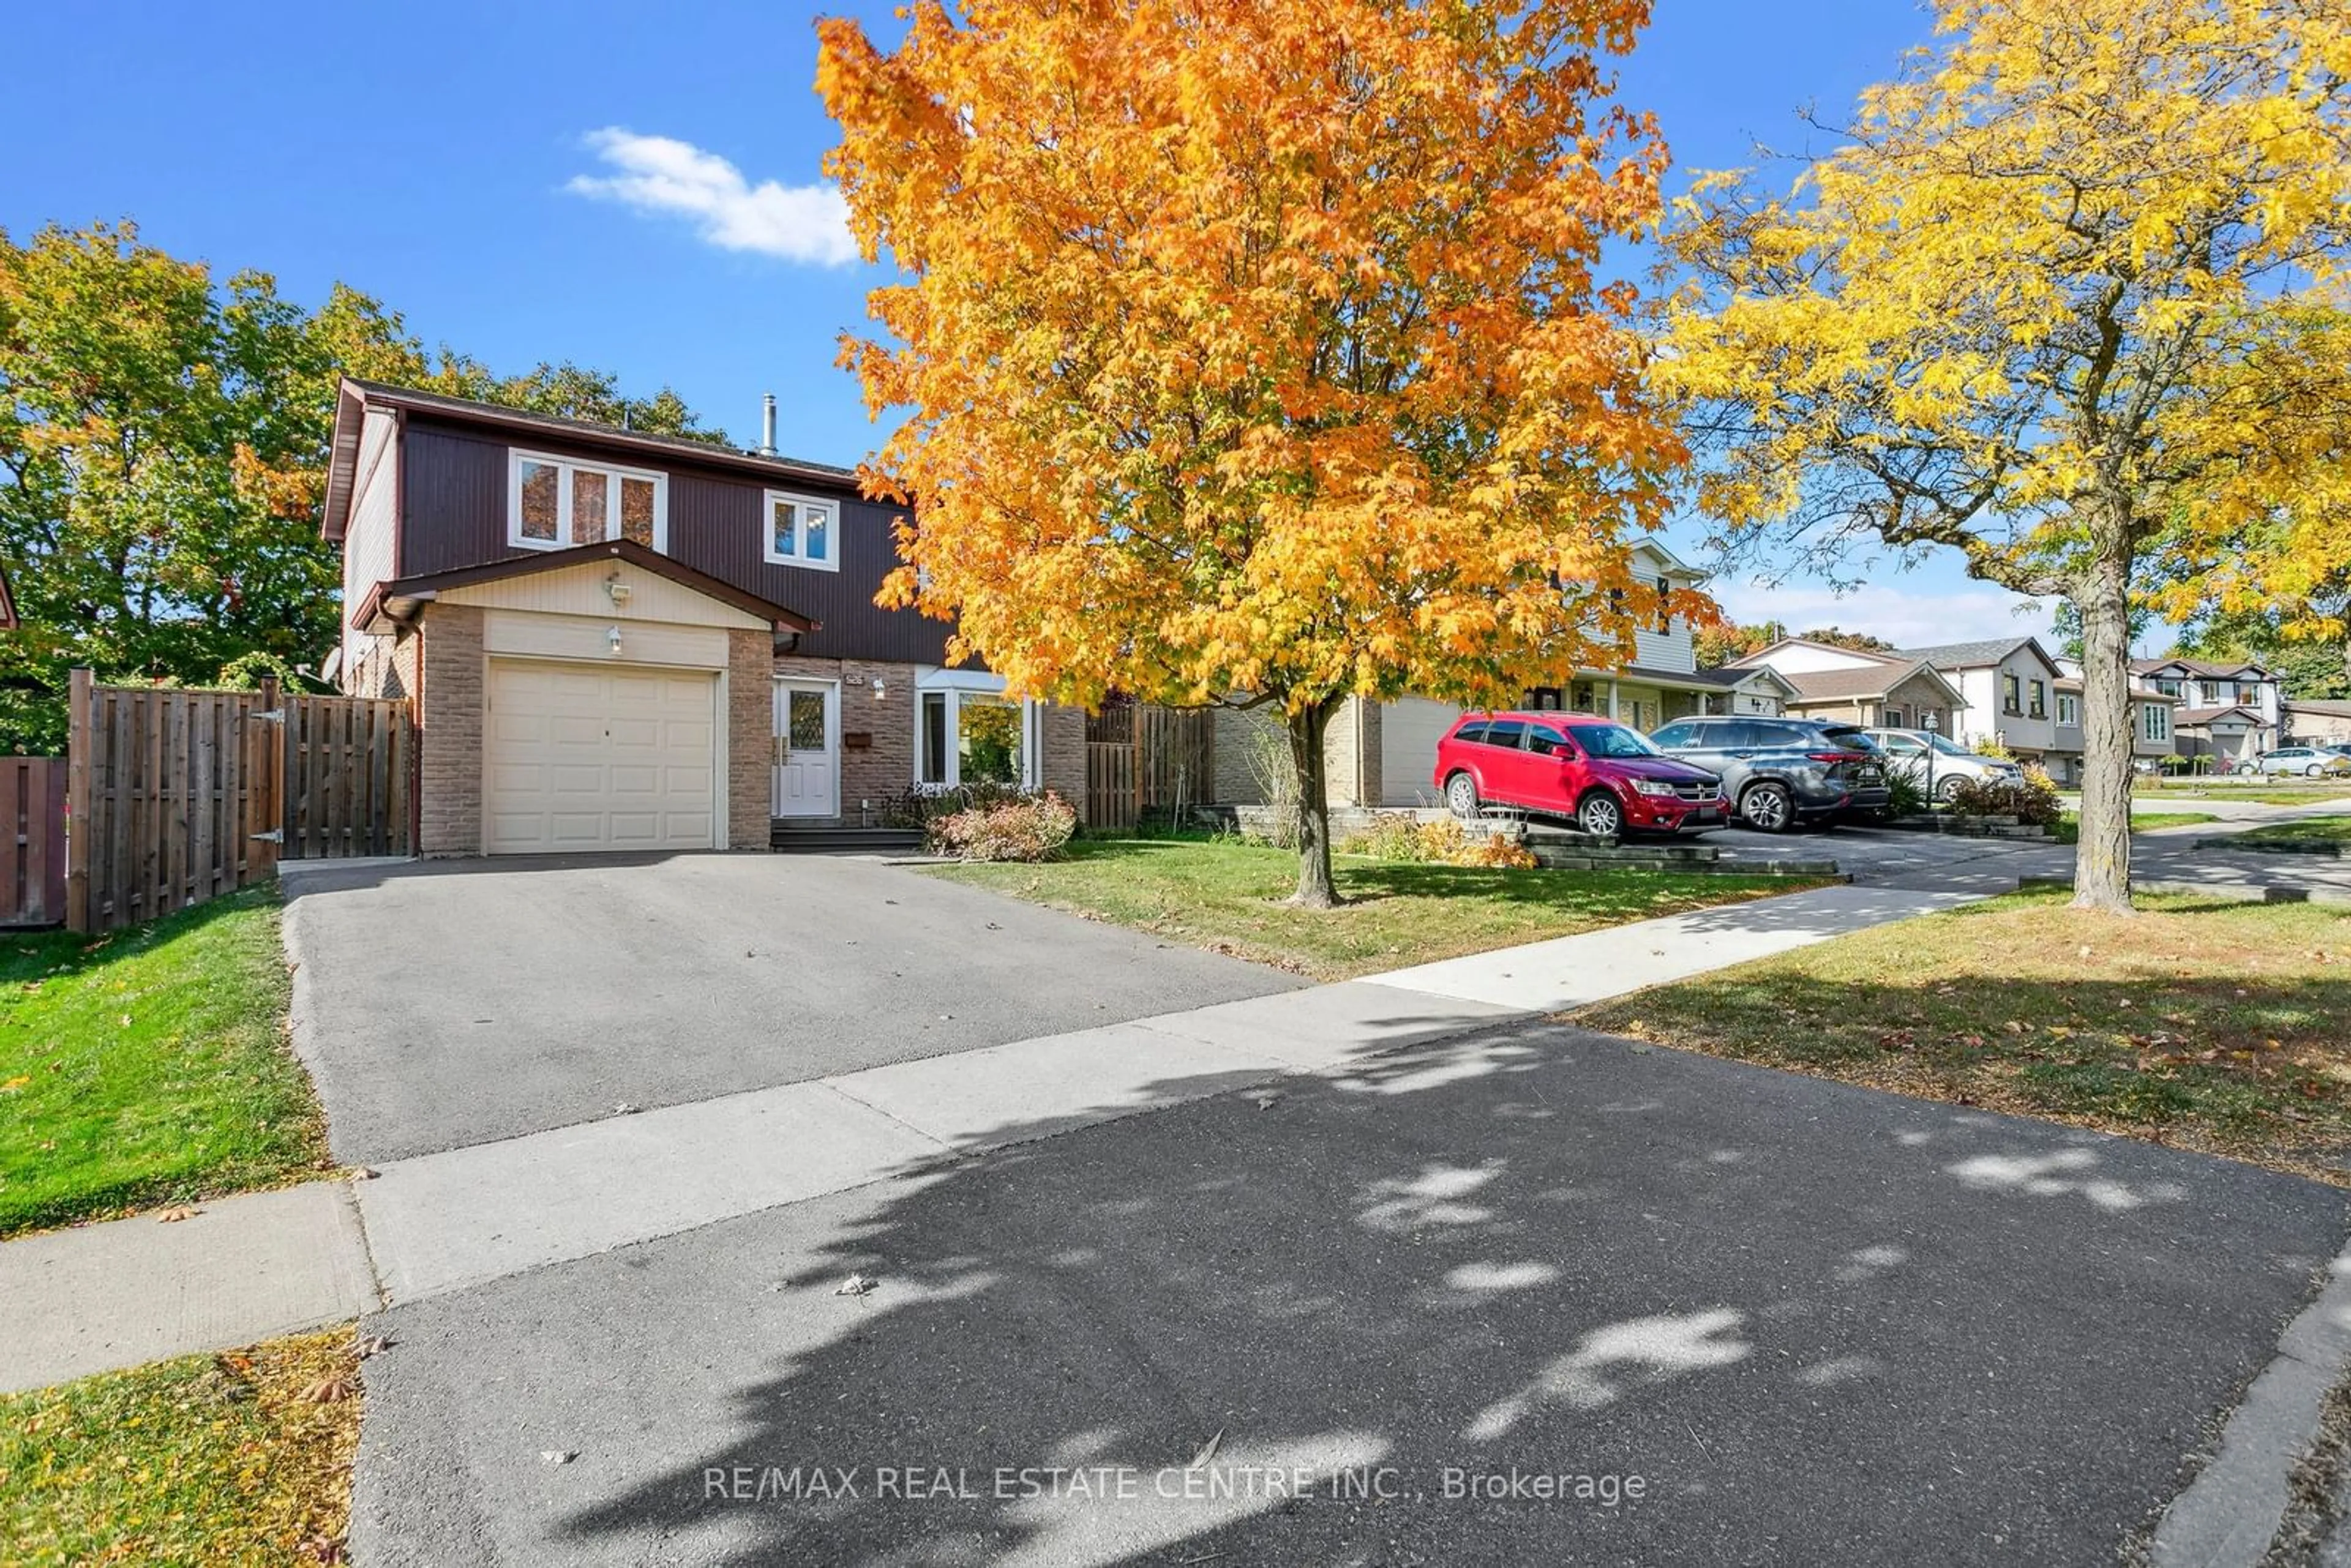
[2227,711]
[621,640]
[1382,754]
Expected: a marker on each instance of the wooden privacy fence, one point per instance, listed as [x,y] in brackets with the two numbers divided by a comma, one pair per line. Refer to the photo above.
[1140,758]
[176,796]
[32,841]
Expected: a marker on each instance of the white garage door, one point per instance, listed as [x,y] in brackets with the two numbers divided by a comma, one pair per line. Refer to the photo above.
[1410,728]
[584,757]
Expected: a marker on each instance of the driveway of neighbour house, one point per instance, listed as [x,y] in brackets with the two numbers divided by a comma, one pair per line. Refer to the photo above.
[1769,1319]
[441,1004]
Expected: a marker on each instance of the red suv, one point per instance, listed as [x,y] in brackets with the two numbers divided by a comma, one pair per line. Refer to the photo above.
[1606,777]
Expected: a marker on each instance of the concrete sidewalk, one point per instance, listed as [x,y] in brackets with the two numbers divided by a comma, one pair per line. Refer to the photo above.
[114,1295]
[243,1268]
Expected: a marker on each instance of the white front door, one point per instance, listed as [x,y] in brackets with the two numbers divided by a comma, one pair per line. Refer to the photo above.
[807,749]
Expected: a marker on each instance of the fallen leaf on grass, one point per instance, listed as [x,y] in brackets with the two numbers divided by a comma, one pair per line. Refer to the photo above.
[330,1391]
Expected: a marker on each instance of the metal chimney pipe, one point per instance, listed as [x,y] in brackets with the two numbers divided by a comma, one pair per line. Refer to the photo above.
[768,424]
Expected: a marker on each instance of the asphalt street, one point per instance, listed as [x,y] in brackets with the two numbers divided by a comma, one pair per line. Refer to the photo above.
[1815,1324]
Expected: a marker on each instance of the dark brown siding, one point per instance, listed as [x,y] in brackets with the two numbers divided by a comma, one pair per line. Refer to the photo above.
[453,495]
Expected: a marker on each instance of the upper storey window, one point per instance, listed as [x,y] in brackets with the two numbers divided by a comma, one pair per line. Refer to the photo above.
[556,502]
[801,531]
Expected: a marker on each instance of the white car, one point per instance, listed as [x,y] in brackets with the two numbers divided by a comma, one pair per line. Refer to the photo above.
[2309,761]
[1907,751]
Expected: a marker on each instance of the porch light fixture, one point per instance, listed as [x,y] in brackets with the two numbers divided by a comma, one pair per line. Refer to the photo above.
[612,642]
[616,589]
[881,689]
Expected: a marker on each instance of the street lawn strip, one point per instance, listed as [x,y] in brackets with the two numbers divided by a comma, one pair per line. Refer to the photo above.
[150,1065]
[2068,830]
[240,1457]
[1226,896]
[2203,1023]
[2334,830]
[2273,795]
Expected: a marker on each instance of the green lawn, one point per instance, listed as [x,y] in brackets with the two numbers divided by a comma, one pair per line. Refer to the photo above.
[2333,830]
[2269,794]
[2207,1024]
[242,1458]
[148,1066]
[1227,896]
[2069,827]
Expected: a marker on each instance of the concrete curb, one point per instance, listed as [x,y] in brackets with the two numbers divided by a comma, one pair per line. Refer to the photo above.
[2269,893]
[2232,1510]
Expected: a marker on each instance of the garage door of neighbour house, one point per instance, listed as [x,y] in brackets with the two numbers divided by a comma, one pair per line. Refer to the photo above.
[1410,728]
[591,756]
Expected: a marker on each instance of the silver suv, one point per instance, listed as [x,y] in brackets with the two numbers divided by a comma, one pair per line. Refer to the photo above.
[1907,751]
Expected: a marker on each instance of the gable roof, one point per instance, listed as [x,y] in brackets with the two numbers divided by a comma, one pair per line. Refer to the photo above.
[354,397]
[1763,655]
[1981,652]
[1835,685]
[2202,668]
[384,595]
[2324,707]
[2192,717]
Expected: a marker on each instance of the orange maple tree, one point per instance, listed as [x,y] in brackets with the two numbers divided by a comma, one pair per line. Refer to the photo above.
[1254,351]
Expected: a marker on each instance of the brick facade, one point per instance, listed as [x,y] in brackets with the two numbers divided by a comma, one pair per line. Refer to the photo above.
[449,731]
[1065,755]
[750,730]
[1352,767]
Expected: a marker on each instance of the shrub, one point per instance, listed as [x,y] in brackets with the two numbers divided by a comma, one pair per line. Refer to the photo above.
[1443,842]
[1906,795]
[1022,828]
[2033,801]
[919,807]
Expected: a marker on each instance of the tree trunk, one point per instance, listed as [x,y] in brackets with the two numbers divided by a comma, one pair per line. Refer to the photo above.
[1316,890]
[2101,859]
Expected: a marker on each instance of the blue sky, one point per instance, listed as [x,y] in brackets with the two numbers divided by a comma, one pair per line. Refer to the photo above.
[636,187]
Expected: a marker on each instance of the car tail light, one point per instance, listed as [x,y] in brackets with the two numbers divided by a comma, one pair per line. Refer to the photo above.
[1838,756]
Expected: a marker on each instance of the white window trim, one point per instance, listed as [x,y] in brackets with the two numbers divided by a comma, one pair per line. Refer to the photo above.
[2069,711]
[767,500]
[2154,716]
[517,457]
[955,684]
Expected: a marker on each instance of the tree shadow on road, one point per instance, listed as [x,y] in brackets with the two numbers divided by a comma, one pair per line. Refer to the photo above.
[1808,1317]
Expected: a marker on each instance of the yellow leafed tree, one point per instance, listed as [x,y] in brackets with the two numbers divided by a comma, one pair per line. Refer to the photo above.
[1255,352]
[2050,295]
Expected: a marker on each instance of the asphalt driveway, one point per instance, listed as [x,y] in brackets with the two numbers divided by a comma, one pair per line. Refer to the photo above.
[446,1003]
[1750,1317]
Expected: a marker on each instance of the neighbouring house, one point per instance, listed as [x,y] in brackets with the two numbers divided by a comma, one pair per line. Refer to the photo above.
[2314,722]
[1383,753]
[2226,711]
[1892,695]
[621,640]
[2006,693]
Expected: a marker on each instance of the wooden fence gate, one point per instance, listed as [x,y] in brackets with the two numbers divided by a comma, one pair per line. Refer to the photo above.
[32,841]
[175,796]
[1142,757]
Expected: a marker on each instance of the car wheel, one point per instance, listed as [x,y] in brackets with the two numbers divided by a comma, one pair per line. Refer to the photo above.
[1599,815]
[1461,795]
[1769,807]
[1947,788]
[2314,770]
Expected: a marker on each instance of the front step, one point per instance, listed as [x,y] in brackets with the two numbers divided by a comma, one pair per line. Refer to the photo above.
[833,840]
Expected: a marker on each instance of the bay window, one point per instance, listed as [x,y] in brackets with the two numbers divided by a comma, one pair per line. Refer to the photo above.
[966,731]
[553,503]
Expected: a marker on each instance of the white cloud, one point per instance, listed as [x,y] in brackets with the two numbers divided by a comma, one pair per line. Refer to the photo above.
[1904,618]
[659,175]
